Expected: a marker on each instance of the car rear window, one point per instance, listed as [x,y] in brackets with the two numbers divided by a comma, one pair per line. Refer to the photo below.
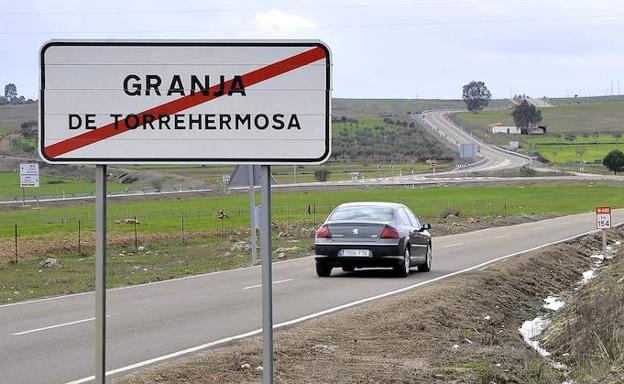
[363,213]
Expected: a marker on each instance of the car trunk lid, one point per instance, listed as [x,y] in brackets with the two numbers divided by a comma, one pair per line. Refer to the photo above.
[356,231]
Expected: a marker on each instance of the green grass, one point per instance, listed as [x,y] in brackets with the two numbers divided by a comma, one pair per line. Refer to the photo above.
[6,131]
[164,216]
[10,186]
[304,174]
[583,100]
[595,125]
[167,258]
[397,107]
[25,280]
[570,153]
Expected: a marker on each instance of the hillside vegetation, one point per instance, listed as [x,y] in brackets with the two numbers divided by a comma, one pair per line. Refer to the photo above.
[581,130]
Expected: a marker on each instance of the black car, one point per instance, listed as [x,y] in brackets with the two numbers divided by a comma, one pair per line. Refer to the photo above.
[362,235]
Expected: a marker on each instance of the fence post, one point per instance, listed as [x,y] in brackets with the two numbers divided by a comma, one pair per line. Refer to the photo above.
[136,238]
[79,240]
[15,243]
[182,228]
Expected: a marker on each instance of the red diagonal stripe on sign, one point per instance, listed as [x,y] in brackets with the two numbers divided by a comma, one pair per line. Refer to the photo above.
[175,106]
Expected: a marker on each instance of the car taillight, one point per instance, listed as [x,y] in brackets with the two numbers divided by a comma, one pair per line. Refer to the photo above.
[323,232]
[389,233]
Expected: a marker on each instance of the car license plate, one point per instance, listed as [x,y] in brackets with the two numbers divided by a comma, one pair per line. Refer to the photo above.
[354,252]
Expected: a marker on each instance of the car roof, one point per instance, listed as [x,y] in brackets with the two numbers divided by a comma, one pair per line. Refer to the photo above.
[371,204]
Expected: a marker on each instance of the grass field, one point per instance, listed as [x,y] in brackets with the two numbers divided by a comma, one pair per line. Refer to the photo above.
[10,186]
[571,153]
[303,174]
[571,118]
[169,257]
[596,127]
[165,216]
[397,107]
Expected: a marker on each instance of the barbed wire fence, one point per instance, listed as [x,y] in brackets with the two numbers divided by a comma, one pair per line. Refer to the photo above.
[134,228]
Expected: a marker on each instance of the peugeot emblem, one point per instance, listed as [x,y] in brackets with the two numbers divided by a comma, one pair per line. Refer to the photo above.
[356,232]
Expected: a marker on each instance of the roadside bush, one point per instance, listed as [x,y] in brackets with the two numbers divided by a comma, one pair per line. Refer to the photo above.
[322,174]
[22,145]
[527,171]
[157,184]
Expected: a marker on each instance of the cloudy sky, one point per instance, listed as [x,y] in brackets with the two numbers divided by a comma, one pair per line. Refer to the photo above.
[381,48]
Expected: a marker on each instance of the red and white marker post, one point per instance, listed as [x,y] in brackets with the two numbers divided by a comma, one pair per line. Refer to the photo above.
[603,222]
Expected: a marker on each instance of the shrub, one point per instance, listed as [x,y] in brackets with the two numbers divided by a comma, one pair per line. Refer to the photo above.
[527,171]
[322,174]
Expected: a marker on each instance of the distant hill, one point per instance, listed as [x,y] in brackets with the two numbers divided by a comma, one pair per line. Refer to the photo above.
[11,116]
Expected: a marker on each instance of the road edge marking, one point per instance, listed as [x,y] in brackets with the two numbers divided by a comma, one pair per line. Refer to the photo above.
[330,310]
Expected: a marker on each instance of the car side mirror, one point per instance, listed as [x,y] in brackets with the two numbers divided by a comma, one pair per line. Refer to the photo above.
[425,227]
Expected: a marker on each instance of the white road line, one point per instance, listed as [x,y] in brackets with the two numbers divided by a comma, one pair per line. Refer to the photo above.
[275,282]
[452,245]
[53,326]
[327,311]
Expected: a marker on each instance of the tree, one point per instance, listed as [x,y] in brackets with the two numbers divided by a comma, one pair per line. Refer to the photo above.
[476,96]
[526,116]
[10,91]
[614,161]
[3,100]
[29,129]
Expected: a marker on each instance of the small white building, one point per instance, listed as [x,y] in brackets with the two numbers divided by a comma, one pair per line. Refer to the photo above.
[508,129]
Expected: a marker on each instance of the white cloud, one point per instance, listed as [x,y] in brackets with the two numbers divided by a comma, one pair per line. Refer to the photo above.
[276,19]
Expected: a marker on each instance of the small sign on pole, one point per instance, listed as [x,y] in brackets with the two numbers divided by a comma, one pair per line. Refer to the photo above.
[603,218]
[29,178]
[603,222]
[29,181]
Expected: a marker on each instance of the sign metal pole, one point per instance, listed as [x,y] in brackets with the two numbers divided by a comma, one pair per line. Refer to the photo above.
[100,274]
[252,214]
[267,288]
[604,242]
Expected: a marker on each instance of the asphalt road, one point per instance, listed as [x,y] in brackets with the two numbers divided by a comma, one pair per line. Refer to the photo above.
[494,159]
[51,341]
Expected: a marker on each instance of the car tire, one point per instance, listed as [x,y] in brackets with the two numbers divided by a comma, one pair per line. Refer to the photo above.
[322,269]
[426,267]
[403,268]
[348,269]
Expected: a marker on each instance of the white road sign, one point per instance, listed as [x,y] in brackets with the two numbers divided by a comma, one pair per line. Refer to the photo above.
[264,102]
[603,217]
[27,181]
[29,169]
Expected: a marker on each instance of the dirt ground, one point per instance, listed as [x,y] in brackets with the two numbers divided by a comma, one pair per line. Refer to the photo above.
[461,330]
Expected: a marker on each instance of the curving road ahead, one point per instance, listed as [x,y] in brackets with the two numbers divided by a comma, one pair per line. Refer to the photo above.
[493,159]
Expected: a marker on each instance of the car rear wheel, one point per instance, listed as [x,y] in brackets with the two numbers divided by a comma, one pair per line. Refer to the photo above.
[426,267]
[322,269]
[403,268]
